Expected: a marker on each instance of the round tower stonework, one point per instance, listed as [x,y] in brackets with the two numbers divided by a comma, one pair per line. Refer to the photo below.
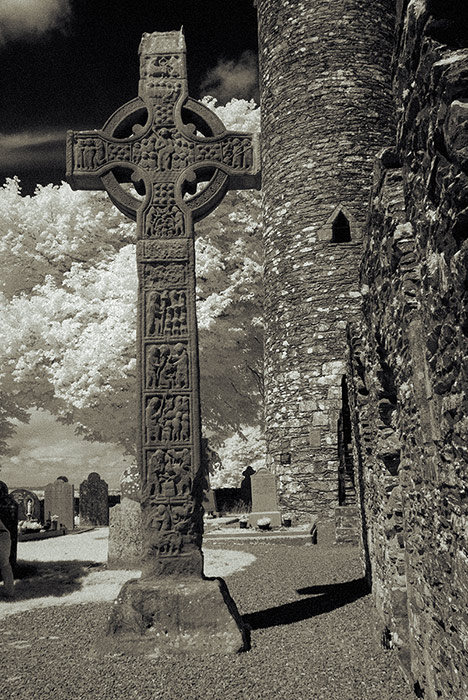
[326,112]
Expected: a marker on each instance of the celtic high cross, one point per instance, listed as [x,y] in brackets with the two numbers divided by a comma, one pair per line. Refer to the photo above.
[165,144]
[181,161]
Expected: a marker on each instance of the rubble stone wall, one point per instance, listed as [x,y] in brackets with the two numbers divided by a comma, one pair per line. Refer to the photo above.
[326,112]
[408,357]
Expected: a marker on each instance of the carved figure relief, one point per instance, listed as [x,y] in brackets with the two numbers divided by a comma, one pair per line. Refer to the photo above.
[167,367]
[237,153]
[170,527]
[164,222]
[89,154]
[164,66]
[168,419]
[165,274]
[166,313]
[169,474]
[164,149]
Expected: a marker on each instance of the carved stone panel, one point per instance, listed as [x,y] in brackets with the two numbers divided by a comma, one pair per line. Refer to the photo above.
[166,313]
[171,528]
[168,475]
[165,275]
[167,366]
[163,66]
[237,152]
[167,419]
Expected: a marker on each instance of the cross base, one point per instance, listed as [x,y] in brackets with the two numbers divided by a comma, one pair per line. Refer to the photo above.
[190,615]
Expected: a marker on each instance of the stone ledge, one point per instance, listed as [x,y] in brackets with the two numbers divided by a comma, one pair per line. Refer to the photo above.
[293,536]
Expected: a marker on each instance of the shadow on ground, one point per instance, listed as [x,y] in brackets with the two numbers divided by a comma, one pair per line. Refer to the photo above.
[324,599]
[51,578]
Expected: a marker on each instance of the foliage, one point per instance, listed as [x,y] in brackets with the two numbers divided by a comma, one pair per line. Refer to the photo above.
[244,448]
[68,307]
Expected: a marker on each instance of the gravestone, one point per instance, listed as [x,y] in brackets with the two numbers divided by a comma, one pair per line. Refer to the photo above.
[94,501]
[29,506]
[59,501]
[181,162]
[125,530]
[9,517]
[264,498]
[246,486]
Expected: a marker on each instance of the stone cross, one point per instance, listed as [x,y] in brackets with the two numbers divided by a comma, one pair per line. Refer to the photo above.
[181,161]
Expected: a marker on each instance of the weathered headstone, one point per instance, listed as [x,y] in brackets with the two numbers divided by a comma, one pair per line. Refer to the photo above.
[264,498]
[125,530]
[168,145]
[94,501]
[59,501]
[9,517]
[29,507]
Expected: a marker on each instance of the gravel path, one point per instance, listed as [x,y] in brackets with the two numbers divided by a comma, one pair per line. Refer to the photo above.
[312,635]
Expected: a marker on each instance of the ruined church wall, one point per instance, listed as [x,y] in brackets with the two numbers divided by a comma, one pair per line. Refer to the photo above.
[326,112]
[408,365]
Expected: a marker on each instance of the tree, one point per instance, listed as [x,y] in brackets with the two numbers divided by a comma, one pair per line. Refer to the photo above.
[68,303]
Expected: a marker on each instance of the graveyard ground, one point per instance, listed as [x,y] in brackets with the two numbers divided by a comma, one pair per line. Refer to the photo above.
[311,619]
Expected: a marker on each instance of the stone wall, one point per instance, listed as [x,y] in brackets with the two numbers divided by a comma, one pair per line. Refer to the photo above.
[326,112]
[408,372]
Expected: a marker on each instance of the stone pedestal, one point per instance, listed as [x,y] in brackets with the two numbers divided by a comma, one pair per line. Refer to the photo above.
[151,617]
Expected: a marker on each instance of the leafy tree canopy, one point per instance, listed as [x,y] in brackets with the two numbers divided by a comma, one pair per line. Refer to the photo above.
[68,309]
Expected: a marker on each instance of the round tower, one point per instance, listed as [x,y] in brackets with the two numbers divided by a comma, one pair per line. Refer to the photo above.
[326,111]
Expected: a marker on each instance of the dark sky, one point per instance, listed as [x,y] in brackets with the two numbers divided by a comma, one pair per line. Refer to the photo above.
[68,64]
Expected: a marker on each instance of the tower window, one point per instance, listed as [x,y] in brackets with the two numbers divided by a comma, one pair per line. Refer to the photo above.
[341,232]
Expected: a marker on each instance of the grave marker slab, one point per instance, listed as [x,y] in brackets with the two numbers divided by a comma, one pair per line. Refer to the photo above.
[264,498]
[59,500]
[181,161]
[125,530]
[94,501]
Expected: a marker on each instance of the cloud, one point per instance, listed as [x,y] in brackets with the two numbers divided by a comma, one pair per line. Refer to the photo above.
[230,79]
[44,449]
[31,18]
[25,151]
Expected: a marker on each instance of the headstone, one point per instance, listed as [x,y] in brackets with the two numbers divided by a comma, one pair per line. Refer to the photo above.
[246,486]
[264,498]
[59,502]
[94,501]
[125,529]
[9,516]
[29,507]
[181,161]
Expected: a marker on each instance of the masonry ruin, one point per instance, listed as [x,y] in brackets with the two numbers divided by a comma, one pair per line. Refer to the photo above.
[366,276]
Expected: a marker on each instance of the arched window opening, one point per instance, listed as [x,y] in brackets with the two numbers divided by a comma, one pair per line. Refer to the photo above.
[341,231]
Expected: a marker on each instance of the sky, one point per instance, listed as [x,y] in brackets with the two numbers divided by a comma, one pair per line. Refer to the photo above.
[44,449]
[69,64]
